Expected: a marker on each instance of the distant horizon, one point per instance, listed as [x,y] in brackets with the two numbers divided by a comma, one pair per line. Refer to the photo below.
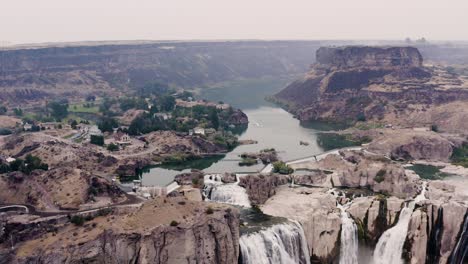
[5,43]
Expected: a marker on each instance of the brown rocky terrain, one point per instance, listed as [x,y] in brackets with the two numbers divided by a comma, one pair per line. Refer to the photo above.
[359,169]
[80,173]
[166,230]
[58,189]
[261,187]
[408,144]
[388,84]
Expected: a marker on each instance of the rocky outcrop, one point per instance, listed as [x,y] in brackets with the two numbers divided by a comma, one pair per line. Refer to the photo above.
[237,117]
[354,56]
[205,238]
[388,84]
[261,187]
[407,144]
[373,216]
[57,188]
[359,169]
[189,178]
[317,212]
[434,232]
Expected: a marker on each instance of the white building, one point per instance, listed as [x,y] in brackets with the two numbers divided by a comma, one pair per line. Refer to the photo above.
[27,127]
[199,131]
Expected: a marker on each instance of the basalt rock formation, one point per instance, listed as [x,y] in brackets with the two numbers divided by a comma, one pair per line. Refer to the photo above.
[170,230]
[81,68]
[374,83]
[261,187]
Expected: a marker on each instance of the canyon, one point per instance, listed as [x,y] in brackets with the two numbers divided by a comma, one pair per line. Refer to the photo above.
[351,205]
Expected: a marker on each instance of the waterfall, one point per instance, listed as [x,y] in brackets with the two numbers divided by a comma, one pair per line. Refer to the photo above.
[460,252]
[282,243]
[390,245]
[349,239]
[217,191]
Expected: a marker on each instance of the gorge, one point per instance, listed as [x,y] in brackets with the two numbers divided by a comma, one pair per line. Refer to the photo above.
[384,213]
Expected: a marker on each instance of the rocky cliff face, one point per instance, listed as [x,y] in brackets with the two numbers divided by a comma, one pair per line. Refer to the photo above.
[358,169]
[164,231]
[407,144]
[373,83]
[36,72]
[346,57]
[434,232]
[261,187]
[316,211]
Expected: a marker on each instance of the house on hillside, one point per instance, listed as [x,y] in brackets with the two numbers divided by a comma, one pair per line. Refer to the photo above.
[199,131]
[122,138]
[27,127]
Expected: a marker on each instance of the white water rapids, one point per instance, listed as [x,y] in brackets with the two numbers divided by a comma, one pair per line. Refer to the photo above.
[279,244]
[390,245]
[231,193]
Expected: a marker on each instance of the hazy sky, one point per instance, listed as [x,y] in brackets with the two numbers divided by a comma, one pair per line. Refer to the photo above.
[25,21]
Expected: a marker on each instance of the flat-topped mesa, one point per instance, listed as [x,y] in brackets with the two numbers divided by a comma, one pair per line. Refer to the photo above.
[365,56]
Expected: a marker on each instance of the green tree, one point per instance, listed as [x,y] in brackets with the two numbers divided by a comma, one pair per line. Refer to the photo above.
[18,111]
[97,140]
[58,110]
[3,110]
[73,124]
[107,124]
[214,118]
[112,147]
[167,103]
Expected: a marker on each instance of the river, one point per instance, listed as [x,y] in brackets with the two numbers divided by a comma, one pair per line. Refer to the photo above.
[269,124]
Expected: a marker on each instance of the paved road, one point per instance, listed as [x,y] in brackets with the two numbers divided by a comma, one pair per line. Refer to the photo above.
[131,200]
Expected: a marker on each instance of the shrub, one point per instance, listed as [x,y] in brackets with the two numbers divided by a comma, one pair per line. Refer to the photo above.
[380,176]
[435,128]
[282,168]
[195,181]
[77,220]
[97,140]
[112,147]
[209,210]
[174,223]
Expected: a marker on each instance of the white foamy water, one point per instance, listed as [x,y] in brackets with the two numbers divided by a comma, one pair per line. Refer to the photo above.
[390,245]
[349,237]
[230,193]
[282,244]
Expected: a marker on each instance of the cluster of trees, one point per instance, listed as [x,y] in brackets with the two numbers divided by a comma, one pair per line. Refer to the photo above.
[18,111]
[29,164]
[97,140]
[460,155]
[107,124]
[146,123]
[58,109]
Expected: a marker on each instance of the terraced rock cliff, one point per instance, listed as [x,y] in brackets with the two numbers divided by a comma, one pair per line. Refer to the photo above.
[389,84]
[37,72]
